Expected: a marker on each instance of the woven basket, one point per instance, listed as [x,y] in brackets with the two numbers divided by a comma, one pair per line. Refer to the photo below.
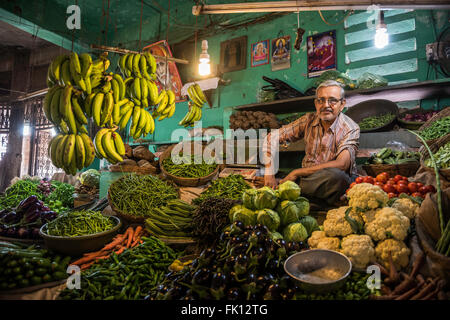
[186,182]
[131,218]
[434,148]
[136,169]
[442,114]
[404,169]
[412,125]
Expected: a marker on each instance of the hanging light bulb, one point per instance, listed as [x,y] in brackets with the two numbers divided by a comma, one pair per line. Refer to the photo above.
[381,34]
[204,67]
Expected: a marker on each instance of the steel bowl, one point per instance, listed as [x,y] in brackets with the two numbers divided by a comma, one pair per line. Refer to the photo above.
[310,260]
[75,246]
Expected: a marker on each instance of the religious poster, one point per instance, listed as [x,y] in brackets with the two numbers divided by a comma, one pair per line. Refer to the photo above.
[321,53]
[233,54]
[281,53]
[167,76]
[260,53]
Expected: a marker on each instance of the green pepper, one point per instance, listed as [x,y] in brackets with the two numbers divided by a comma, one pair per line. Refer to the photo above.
[36,280]
[40,271]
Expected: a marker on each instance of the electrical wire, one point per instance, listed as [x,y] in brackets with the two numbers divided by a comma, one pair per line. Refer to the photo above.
[335,24]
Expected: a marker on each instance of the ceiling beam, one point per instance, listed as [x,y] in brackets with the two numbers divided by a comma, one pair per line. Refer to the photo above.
[308,5]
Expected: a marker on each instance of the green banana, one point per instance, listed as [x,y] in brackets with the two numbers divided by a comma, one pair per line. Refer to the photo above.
[80,152]
[115,90]
[97,107]
[136,70]
[75,62]
[78,111]
[65,73]
[89,150]
[121,84]
[86,65]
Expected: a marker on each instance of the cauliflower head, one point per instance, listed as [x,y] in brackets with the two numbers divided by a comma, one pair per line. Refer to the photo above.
[406,206]
[319,240]
[368,216]
[398,249]
[366,196]
[388,223]
[359,249]
[335,223]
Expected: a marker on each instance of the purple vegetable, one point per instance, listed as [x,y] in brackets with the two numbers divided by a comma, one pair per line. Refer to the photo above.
[11,217]
[3,213]
[3,230]
[23,233]
[32,216]
[11,232]
[35,233]
[24,204]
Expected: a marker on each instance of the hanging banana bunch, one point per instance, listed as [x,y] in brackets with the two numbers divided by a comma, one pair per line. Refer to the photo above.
[109,145]
[71,152]
[197,100]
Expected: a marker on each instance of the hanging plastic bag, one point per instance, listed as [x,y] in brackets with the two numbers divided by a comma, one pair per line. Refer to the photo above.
[369,80]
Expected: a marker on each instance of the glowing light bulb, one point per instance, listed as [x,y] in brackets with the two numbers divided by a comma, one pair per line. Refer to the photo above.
[204,67]
[381,38]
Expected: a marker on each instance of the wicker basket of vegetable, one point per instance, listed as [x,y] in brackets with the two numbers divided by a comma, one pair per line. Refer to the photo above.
[414,119]
[405,163]
[187,175]
[436,127]
[441,151]
[132,196]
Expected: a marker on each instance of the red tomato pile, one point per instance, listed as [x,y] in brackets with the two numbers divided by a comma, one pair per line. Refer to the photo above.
[396,185]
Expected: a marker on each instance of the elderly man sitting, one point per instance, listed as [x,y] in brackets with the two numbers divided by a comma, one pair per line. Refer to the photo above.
[331,140]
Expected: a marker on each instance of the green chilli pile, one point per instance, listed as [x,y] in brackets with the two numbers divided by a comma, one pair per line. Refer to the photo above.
[138,195]
[376,121]
[79,223]
[442,157]
[231,187]
[188,168]
[437,129]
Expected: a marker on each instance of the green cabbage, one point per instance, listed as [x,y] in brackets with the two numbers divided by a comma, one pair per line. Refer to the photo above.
[295,232]
[288,212]
[246,216]
[233,210]
[303,206]
[269,218]
[248,198]
[310,224]
[289,190]
[90,178]
[265,198]
[275,236]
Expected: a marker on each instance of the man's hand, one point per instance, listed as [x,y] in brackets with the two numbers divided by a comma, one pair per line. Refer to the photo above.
[270,181]
[292,176]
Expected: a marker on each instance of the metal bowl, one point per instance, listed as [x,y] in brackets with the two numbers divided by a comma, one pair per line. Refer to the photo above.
[307,261]
[75,246]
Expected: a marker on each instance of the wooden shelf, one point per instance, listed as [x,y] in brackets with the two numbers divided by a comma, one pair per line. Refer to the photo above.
[396,93]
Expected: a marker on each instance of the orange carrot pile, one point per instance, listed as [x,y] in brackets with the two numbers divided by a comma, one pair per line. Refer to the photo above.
[129,239]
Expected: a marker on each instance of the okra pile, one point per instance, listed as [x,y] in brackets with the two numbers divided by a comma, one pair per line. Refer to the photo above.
[128,276]
[230,187]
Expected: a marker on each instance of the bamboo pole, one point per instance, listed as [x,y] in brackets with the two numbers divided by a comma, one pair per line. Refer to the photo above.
[124,51]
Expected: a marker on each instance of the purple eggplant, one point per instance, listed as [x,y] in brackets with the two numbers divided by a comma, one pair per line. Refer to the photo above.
[3,230]
[24,204]
[32,216]
[23,233]
[11,217]
[35,233]
[11,232]
[45,209]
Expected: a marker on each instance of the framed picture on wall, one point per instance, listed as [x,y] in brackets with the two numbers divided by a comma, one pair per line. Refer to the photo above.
[321,53]
[260,53]
[281,53]
[233,54]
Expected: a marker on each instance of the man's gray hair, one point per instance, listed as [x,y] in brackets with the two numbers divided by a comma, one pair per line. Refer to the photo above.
[331,83]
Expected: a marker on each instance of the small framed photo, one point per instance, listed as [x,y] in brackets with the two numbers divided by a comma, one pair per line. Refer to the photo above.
[281,53]
[233,54]
[260,53]
[321,53]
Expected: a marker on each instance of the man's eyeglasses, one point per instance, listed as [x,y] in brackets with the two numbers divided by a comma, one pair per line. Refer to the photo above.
[331,101]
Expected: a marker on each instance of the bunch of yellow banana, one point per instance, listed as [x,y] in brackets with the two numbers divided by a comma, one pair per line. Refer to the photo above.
[166,105]
[194,114]
[109,145]
[198,99]
[77,70]
[63,107]
[71,152]
[142,122]
[141,91]
[138,65]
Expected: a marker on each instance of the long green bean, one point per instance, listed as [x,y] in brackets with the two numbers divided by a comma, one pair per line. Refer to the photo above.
[138,195]
[437,129]
[230,187]
[188,168]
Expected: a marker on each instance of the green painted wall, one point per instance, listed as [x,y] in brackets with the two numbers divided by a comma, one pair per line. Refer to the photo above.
[245,84]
